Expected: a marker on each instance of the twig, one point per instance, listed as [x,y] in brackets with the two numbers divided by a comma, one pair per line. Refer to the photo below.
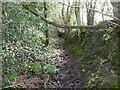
[46,81]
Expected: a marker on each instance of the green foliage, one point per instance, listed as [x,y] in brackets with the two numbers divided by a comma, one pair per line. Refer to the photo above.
[34,66]
[41,27]
[5,82]
[51,68]
[93,80]
[96,51]
[111,82]
[106,37]
[23,49]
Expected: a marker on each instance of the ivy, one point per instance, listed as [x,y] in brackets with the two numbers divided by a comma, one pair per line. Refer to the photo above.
[24,51]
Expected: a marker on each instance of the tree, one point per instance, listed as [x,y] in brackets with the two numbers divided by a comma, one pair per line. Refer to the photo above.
[116,11]
[90,12]
[103,25]
[47,31]
[0,24]
[103,8]
[78,18]
[77,13]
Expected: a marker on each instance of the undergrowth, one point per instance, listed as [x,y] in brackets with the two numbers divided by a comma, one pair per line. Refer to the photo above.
[97,57]
[25,58]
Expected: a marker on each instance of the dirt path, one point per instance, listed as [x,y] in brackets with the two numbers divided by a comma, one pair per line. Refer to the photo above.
[69,75]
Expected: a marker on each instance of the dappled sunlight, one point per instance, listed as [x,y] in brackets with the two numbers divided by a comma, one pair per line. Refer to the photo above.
[60,44]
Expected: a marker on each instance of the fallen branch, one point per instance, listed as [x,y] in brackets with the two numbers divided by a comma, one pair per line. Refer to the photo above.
[90,27]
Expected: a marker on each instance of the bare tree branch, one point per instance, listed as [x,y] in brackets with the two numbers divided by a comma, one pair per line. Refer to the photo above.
[91,9]
[97,27]
[29,9]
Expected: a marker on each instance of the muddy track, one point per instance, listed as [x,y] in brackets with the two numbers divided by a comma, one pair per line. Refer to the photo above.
[69,75]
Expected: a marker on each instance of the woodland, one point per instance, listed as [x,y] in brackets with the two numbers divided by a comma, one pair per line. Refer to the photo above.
[67,44]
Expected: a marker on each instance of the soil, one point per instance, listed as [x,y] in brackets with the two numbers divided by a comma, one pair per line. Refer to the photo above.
[68,75]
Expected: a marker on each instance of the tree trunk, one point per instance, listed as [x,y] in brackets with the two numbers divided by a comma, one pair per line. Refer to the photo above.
[46,32]
[102,10]
[1,30]
[62,12]
[77,13]
[63,16]
[90,13]
[66,18]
